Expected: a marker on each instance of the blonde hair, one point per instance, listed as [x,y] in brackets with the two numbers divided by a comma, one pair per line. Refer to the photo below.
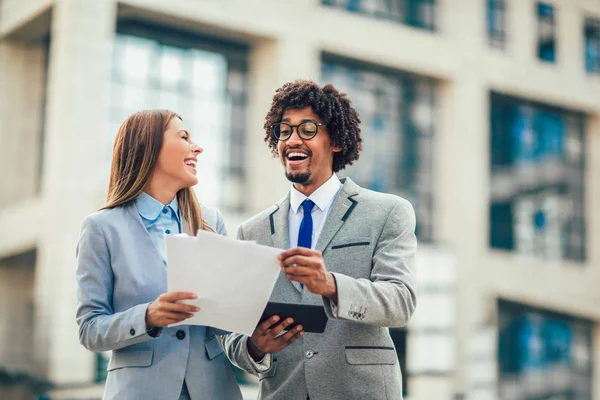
[135,154]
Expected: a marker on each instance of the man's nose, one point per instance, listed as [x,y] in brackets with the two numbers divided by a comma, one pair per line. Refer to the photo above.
[295,137]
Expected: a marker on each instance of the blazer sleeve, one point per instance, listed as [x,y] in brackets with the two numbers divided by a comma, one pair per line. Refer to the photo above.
[389,298]
[100,328]
[220,225]
[235,347]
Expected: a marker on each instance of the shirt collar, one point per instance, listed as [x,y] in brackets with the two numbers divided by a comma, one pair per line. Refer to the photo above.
[322,197]
[150,208]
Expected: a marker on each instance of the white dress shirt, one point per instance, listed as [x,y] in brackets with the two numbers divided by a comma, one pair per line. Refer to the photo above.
[323,198]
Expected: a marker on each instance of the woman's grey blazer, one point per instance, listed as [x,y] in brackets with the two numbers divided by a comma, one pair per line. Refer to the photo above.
[119,272]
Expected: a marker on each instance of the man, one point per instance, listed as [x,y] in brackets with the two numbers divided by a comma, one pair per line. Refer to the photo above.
[353,252]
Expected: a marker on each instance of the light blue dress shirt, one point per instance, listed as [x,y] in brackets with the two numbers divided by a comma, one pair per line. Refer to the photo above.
[159,220]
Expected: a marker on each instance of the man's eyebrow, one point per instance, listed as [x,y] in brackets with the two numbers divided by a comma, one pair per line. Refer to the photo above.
[304,120]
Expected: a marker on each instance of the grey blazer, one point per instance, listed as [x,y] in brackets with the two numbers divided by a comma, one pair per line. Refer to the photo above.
[119,272]
[368,243]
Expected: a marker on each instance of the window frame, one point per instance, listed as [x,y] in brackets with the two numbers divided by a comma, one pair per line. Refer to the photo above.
[507,308]
[500,160]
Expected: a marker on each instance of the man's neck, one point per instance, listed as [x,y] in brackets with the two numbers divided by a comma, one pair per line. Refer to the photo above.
[310,187]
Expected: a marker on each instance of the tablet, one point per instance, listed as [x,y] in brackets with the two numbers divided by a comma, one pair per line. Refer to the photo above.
[312,318]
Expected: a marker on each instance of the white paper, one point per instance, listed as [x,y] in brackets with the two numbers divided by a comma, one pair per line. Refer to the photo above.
[232,279]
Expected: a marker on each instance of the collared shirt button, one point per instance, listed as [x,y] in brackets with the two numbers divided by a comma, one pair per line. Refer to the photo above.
[180,334]
[309,354]
[168,231]
[132,331]
[165,210]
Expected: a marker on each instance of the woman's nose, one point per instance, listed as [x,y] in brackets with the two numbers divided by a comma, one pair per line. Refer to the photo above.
[197,149]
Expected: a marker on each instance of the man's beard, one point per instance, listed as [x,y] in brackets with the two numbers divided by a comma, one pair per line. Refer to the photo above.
[298,177]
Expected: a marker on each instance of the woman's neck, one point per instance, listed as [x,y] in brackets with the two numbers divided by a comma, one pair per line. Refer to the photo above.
[160,191]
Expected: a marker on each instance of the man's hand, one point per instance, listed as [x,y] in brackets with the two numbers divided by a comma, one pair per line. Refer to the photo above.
[165,311]
[307,267]
[266,339]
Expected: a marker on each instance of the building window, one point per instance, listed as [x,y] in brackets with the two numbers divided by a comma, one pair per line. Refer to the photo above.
[592,45]
[546,32]
[397,111]
[203,80]
[537,179]
[496,23]
[417,13]
[543,355]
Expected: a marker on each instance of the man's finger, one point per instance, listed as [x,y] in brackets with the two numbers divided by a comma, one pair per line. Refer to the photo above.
[268,324]
[280,327]
[299,260]
[298,271]
[302,251]
[292,334]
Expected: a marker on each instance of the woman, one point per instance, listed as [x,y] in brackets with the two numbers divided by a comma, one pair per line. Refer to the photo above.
[122,276]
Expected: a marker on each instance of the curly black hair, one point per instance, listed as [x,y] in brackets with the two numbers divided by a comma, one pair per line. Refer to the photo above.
[333,108]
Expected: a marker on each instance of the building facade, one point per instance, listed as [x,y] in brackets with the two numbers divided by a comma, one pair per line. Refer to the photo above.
[485,114]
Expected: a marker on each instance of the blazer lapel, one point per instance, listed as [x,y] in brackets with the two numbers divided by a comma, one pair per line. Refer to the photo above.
[280,235]
[279,224]
[340,211]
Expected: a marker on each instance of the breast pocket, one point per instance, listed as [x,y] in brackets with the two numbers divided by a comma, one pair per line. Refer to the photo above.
[351,243]
[370,355]
[351,256]
[130,358]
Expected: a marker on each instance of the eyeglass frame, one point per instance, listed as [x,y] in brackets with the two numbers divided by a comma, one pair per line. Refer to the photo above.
[318,124]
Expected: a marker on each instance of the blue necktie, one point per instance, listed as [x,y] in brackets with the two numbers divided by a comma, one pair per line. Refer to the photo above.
[306,226]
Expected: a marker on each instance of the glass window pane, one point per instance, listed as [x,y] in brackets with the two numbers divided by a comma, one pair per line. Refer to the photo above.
[543,355]
[417,13]
[394,109]
[170,67]
[192,82]
[537,172]
[135,62]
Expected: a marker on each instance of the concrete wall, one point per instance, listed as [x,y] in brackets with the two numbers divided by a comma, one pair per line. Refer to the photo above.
[22,84]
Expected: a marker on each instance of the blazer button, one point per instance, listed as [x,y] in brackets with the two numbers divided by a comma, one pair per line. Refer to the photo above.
[309,354]
[180,334]
[132,331]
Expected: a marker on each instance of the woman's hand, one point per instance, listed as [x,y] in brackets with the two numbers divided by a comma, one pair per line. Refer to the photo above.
[165,311]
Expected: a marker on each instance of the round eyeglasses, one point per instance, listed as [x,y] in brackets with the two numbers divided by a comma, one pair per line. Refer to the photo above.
[306,130]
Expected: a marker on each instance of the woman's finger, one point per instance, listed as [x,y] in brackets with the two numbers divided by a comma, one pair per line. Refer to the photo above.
[178,307]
